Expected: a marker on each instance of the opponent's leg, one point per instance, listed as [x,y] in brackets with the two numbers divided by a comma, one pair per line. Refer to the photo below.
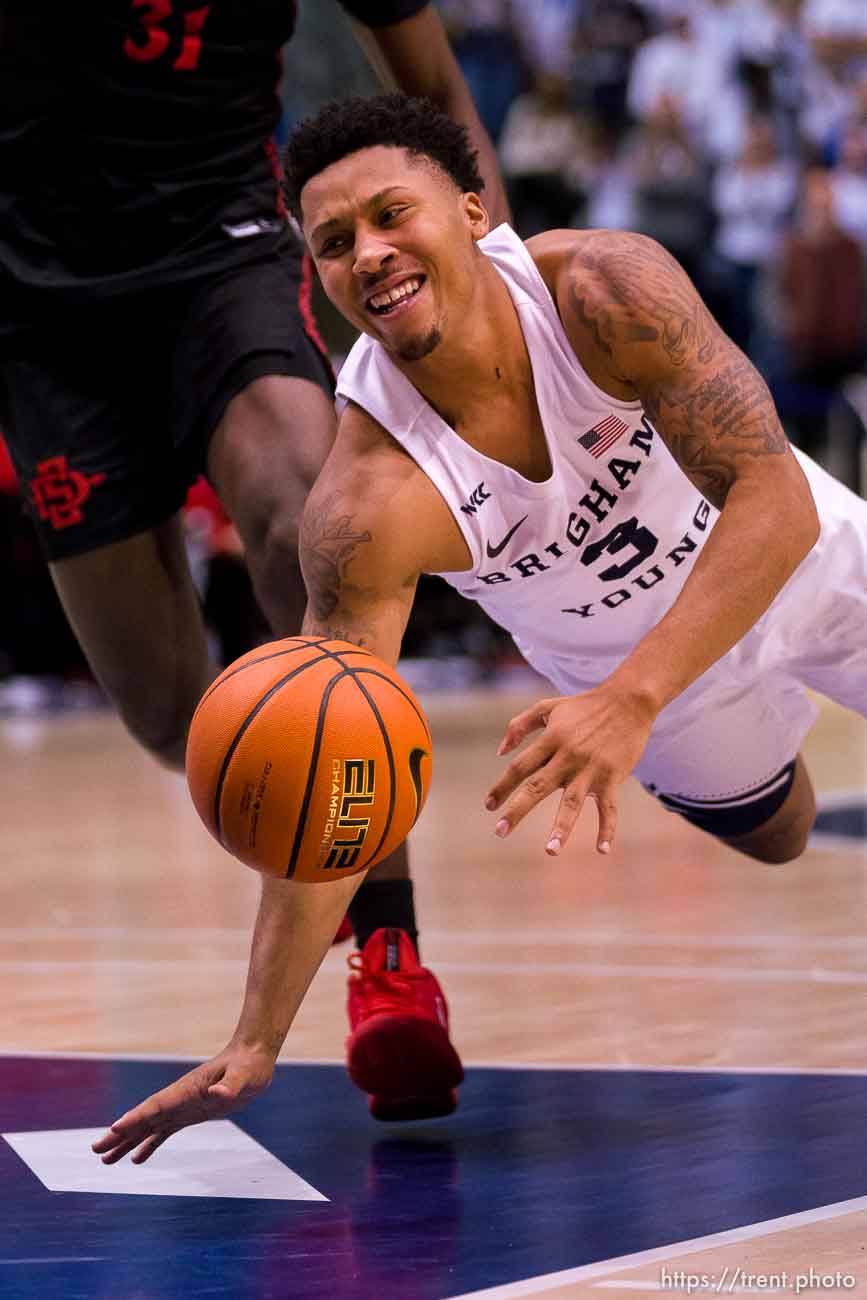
[263,459]
[90,443]
[135,611]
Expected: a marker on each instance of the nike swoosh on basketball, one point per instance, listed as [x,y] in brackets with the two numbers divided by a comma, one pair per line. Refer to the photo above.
[494,551]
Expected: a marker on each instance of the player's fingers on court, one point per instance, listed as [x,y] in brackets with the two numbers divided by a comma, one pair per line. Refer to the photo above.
[606,807]
[107,1142]
[523,723]
[116,1153]
[519,770]
[568,813]
[538,786]
[122,1130]
[149,1146]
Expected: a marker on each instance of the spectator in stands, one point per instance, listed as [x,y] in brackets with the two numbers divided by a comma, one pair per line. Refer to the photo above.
[772,35]
[487,46]
[849,183]
[546,31]
[668,179]
[823,304]
[837,30]
[753,199]
[607,35]
[539,147]
[823,288]
[674,65]
[837,34]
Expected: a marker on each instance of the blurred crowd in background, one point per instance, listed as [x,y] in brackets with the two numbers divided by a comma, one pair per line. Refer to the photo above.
[735,133]
[732,131]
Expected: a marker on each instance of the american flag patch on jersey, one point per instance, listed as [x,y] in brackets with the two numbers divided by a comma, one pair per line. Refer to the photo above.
[598,439]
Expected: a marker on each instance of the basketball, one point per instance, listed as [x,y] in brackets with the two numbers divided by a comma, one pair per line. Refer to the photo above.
[309,759]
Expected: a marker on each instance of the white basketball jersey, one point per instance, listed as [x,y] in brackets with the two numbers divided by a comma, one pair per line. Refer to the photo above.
[578,567]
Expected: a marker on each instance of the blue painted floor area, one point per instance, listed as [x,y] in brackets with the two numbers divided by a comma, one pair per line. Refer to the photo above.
[537,1171]
[848,819]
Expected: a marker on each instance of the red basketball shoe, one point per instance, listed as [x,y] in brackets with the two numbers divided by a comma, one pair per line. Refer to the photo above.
[398,1050]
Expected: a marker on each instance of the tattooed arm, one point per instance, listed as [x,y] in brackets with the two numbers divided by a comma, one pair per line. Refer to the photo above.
[641,331]
[372,524]
[636,321]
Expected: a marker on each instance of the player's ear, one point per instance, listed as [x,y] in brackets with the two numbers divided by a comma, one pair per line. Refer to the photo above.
[476,215]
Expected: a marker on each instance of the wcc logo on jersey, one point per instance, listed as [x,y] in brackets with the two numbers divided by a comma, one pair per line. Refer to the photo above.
[353,783]
[477,499]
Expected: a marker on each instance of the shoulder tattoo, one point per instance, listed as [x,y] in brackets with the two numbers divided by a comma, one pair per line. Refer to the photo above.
[629,290]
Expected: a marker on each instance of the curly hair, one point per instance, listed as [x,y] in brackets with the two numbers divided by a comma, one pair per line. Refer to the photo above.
[343,126]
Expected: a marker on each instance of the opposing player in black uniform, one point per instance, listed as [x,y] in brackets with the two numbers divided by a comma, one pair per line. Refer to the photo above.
[154,324]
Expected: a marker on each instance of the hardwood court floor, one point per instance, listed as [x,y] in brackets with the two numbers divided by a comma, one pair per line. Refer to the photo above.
[125,930]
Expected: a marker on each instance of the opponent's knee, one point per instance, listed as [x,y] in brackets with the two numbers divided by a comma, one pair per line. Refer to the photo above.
[162,732]
[157,707]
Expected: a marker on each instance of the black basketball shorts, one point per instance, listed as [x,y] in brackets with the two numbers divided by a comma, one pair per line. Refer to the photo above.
[108,407]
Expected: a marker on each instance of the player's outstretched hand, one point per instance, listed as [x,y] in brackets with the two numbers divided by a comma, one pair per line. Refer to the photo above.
[588,746]
[210,1091]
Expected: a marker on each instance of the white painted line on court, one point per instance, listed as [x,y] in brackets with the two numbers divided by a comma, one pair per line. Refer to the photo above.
[635,1067]
[217,1159]
[594,970]
[575,937]
[178,934]
[552,1281]
[621,970]
[120,963]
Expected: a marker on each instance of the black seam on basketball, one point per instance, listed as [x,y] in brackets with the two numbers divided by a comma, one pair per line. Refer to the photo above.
[373,672]
[236,739]
[229,673]
[299,644]
[311,770]
[355,673]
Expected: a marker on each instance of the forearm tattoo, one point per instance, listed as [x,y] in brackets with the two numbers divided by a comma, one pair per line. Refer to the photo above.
[327,545]
[626,291]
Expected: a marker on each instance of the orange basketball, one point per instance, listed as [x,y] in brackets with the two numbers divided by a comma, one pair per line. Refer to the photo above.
[309,759]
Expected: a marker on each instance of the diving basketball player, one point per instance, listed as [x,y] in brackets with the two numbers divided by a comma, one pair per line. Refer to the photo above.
[154,324]
[561,430]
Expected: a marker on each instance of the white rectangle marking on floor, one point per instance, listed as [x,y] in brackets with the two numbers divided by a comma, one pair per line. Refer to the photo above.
[216,1159]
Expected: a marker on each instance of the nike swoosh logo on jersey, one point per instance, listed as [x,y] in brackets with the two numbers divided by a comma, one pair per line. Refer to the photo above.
[494,551]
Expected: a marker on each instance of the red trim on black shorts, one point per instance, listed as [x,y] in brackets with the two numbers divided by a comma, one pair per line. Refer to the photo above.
[305,305]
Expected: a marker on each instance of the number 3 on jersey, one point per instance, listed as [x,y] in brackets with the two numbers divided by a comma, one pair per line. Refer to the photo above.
[154,40]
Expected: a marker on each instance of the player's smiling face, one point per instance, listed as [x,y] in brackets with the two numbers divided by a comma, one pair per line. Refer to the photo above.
[393,241]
